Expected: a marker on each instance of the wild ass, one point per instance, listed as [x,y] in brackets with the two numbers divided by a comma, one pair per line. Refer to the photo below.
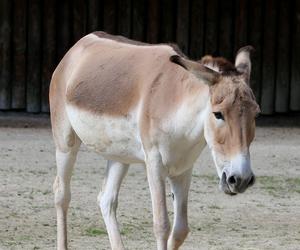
[139,103]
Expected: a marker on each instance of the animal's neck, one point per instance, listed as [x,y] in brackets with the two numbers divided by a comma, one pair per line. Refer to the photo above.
[207,130]
[195,110]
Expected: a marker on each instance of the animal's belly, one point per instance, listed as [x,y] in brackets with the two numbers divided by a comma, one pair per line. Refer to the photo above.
[115,138]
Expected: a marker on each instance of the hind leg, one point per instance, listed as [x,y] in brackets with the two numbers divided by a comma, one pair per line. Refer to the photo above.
[108,201]
[65,160]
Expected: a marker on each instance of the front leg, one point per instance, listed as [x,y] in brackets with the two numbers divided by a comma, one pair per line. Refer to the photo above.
[180,186]
[156,174]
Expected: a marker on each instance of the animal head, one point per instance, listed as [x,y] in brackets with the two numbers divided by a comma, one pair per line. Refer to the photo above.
[230,122]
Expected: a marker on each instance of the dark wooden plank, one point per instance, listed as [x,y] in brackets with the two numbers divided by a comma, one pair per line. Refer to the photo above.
[79,19]
[197,29]
[269,58]
[153,21]
[124,21]
[93,16]
[110,16]
[19,55]
[182,30]
[34,35]
[295,74]
[168,21]
[49,51]
[63,27]
[138,20]
[241,24]
[283,58]
[5,53]
[255,39]
[226,25]
[211,27]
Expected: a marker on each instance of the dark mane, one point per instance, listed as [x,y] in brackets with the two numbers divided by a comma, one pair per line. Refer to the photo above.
[117,38]
[176,49]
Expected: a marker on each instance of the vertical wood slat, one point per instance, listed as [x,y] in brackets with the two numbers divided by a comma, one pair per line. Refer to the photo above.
[269,58]
[241,22]
[49,51]
[295,67]
[255,39]
[211,27]
[182,31]
[226,29]
[110,16]
[33,87]
[124,25]
[197,29]
[153,21]
[79,19]
[19,54]
[138,20]
[63,26]
[93,16]
[167,24]
[283,58]
[5,54]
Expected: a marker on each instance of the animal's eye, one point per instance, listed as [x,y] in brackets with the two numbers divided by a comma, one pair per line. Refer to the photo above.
[219,115]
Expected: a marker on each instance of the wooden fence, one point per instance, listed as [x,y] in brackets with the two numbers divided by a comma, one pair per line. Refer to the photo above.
[35,34]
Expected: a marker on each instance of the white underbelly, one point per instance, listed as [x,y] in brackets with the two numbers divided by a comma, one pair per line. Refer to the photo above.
[115,138]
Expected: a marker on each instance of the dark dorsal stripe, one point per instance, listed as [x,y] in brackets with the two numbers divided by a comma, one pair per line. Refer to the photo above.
[123,39]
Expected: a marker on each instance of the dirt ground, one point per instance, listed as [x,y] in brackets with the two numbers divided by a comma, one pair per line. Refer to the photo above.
[267,216]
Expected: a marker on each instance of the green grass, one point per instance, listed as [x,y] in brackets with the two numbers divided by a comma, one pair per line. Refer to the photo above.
[210,178]
[214,207]
[125,230]
[278,186]
[95,231]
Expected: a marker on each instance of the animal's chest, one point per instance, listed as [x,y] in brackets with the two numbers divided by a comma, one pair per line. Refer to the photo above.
[179,154]
[181,140]
[115,138]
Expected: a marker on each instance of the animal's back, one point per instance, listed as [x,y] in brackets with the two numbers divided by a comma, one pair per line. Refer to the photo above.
[97,91]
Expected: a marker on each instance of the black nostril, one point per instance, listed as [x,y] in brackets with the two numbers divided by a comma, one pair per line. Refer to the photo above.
[251,181]
[232,180]
[224,177]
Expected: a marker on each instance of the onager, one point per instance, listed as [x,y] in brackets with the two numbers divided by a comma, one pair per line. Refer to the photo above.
[140,103]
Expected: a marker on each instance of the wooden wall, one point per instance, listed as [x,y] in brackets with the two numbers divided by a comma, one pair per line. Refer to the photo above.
[35,34]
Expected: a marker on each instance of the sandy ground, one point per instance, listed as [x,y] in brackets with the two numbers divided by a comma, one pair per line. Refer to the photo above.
[267,216]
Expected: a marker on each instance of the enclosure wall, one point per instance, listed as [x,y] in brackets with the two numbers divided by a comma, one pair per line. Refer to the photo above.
[35,34]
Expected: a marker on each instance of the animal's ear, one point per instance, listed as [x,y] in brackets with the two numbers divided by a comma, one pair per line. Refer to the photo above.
[243,62]
[208,76]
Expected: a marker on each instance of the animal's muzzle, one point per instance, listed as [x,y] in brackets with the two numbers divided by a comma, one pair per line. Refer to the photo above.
[234,184]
